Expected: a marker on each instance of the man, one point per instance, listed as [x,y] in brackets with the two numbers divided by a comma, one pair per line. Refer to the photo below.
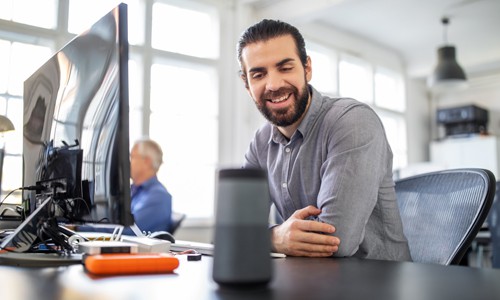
[151,202]
[328,160]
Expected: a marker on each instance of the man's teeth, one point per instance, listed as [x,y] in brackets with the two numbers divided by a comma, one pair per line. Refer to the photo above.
[279,99]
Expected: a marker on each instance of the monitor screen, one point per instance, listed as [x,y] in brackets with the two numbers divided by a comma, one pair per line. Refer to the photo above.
[76,126]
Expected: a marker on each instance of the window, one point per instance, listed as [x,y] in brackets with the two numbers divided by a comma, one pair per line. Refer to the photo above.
[4,65]
[395,130]
[78,21]
[389,90]
[13,149]
[390,96]
[184,99]
[199,24]
[381,88]
[324,65]
[184,121]
[17,62]
[173,82]
[355,79]
[24,59]
[136,99]
[31,12]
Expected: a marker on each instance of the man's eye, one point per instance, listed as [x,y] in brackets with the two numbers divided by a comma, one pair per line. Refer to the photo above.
[257,75]
[286,69]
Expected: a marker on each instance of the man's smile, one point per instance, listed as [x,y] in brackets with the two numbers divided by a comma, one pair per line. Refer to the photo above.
[280,99]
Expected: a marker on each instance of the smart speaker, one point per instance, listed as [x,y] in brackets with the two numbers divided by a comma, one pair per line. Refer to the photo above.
[242,243]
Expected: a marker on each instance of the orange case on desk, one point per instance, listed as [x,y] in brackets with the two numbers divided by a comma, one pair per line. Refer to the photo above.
[139,263]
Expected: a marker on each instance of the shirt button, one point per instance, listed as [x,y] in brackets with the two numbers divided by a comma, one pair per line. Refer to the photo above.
[284,184]
[287,150]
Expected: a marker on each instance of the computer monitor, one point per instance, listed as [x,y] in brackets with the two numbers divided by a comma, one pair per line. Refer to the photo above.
[76,165]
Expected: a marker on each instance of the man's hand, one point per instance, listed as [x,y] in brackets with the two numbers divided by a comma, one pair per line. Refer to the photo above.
[300,237]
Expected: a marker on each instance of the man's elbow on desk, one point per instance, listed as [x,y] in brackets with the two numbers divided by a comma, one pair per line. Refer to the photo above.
[345,251]
[347,247]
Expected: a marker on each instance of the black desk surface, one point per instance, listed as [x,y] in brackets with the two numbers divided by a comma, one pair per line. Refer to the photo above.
[294,278]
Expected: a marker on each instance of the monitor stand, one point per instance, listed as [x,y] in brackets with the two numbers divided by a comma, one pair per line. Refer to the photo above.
[16,249]
[39,260]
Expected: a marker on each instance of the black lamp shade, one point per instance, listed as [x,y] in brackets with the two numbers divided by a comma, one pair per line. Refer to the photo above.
[447,70]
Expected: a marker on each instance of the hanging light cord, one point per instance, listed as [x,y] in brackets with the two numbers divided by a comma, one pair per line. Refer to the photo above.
[445,21]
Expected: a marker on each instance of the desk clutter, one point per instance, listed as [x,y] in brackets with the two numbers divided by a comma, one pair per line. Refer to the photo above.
[102,255]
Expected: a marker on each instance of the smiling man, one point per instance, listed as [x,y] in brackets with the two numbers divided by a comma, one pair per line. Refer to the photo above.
[328,160]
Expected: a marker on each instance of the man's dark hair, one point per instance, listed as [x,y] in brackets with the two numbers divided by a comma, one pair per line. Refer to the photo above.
[268,29]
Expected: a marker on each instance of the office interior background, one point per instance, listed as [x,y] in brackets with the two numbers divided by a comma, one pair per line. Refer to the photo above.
[185,91]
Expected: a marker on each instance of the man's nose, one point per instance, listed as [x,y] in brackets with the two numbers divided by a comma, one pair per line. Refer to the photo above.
[274,81]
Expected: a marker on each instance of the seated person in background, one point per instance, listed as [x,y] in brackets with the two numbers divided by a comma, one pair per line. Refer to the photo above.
[328,159]
[151,202]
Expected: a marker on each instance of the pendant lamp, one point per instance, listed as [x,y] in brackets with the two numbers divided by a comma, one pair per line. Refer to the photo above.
[448,75]
[5,124]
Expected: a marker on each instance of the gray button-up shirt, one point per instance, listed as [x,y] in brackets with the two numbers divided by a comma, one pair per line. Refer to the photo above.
[338,160]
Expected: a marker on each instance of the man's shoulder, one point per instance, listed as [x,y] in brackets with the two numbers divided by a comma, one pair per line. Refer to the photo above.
[326,102]
[154,185]
[342,103]
[158,186]
[157,193]
[337,108]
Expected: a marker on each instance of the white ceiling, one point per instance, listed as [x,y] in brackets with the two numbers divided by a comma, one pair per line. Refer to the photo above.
[411,27]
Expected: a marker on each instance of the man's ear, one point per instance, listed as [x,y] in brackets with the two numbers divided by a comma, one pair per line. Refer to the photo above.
[308,69]
[148,161]
[243,77]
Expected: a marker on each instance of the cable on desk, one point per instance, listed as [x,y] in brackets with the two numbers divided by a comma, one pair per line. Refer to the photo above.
[191,254]
[37,188]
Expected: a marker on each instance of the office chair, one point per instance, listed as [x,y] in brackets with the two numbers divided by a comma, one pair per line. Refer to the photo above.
[494,228]
[443,211]
[177,219]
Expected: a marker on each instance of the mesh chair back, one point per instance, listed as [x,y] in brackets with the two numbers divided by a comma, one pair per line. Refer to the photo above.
[443,211]
[494,227]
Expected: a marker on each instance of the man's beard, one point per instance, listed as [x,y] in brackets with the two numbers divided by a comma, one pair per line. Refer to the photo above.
[287,116]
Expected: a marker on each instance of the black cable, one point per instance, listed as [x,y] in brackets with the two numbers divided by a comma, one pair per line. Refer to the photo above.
[47,230]
[84,202]
[28,188]
[71,203]
[50,229]
[68,206]
[10,193]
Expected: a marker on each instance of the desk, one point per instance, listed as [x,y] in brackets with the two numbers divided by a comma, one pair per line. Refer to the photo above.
[294,278]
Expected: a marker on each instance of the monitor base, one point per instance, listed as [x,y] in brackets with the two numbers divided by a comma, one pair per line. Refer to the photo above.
[39,260]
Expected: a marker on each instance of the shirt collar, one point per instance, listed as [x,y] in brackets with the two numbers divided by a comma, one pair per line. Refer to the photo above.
[146,183]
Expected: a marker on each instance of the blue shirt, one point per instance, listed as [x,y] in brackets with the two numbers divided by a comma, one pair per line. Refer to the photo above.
[151,206]
[338,160]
